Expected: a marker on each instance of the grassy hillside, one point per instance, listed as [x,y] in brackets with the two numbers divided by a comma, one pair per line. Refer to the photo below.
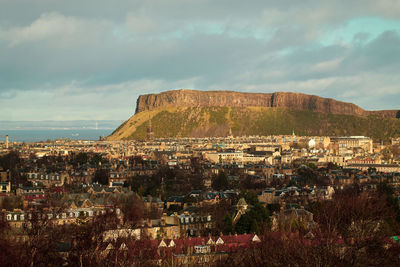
[216,121]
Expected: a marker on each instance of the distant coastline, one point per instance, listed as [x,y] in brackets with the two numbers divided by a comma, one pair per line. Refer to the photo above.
[36,131]
[43,135]
[60,125]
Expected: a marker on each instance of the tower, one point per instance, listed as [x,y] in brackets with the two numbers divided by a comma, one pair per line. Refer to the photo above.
[150,134]
[6,141]
[293,137]
[241,208]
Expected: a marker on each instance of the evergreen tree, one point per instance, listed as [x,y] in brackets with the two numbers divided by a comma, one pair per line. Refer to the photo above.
[220,182]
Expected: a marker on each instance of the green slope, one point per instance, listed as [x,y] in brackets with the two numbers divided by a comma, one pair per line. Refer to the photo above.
[217,121]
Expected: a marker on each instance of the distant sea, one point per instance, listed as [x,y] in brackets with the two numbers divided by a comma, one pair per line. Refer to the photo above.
[43,135]
[36,131]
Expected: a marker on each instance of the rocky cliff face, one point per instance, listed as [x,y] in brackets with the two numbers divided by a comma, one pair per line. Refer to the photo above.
[297,101]
[192,98]
[315,103]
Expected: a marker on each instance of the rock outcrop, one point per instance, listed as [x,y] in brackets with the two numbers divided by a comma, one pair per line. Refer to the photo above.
[190,113]
[193,98]
[296,101]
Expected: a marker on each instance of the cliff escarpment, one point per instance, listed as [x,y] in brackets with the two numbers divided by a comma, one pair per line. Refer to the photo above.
[296,101]
[190,113]
[193,98]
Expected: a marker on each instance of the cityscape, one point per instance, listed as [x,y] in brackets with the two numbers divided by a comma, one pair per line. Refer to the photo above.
[199,200]
[200,133]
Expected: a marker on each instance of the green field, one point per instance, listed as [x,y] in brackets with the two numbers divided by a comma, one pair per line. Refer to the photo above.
[218,121]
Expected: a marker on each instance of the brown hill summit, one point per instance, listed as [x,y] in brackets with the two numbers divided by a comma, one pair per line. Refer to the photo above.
[297,101]
[190,113]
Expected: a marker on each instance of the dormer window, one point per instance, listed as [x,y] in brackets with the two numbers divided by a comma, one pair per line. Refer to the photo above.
[171,244]
[220,241]
[162,244]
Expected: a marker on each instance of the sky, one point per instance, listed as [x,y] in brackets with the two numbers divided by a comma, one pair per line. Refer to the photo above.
[90,60]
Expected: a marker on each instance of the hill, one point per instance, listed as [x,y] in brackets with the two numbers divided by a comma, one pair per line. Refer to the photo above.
[298,101]
[189,113]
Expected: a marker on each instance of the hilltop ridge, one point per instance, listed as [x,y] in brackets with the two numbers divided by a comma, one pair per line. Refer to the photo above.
[191,113]
[298,101]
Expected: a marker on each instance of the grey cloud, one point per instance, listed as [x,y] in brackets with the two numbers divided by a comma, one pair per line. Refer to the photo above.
[87,55]
[380,55]
[307,11]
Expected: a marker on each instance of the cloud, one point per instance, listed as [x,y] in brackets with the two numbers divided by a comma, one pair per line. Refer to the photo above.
[48,25]
[140,24]
[51,26]
[8,95]
[76,101]
[328,65]
[93,58]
